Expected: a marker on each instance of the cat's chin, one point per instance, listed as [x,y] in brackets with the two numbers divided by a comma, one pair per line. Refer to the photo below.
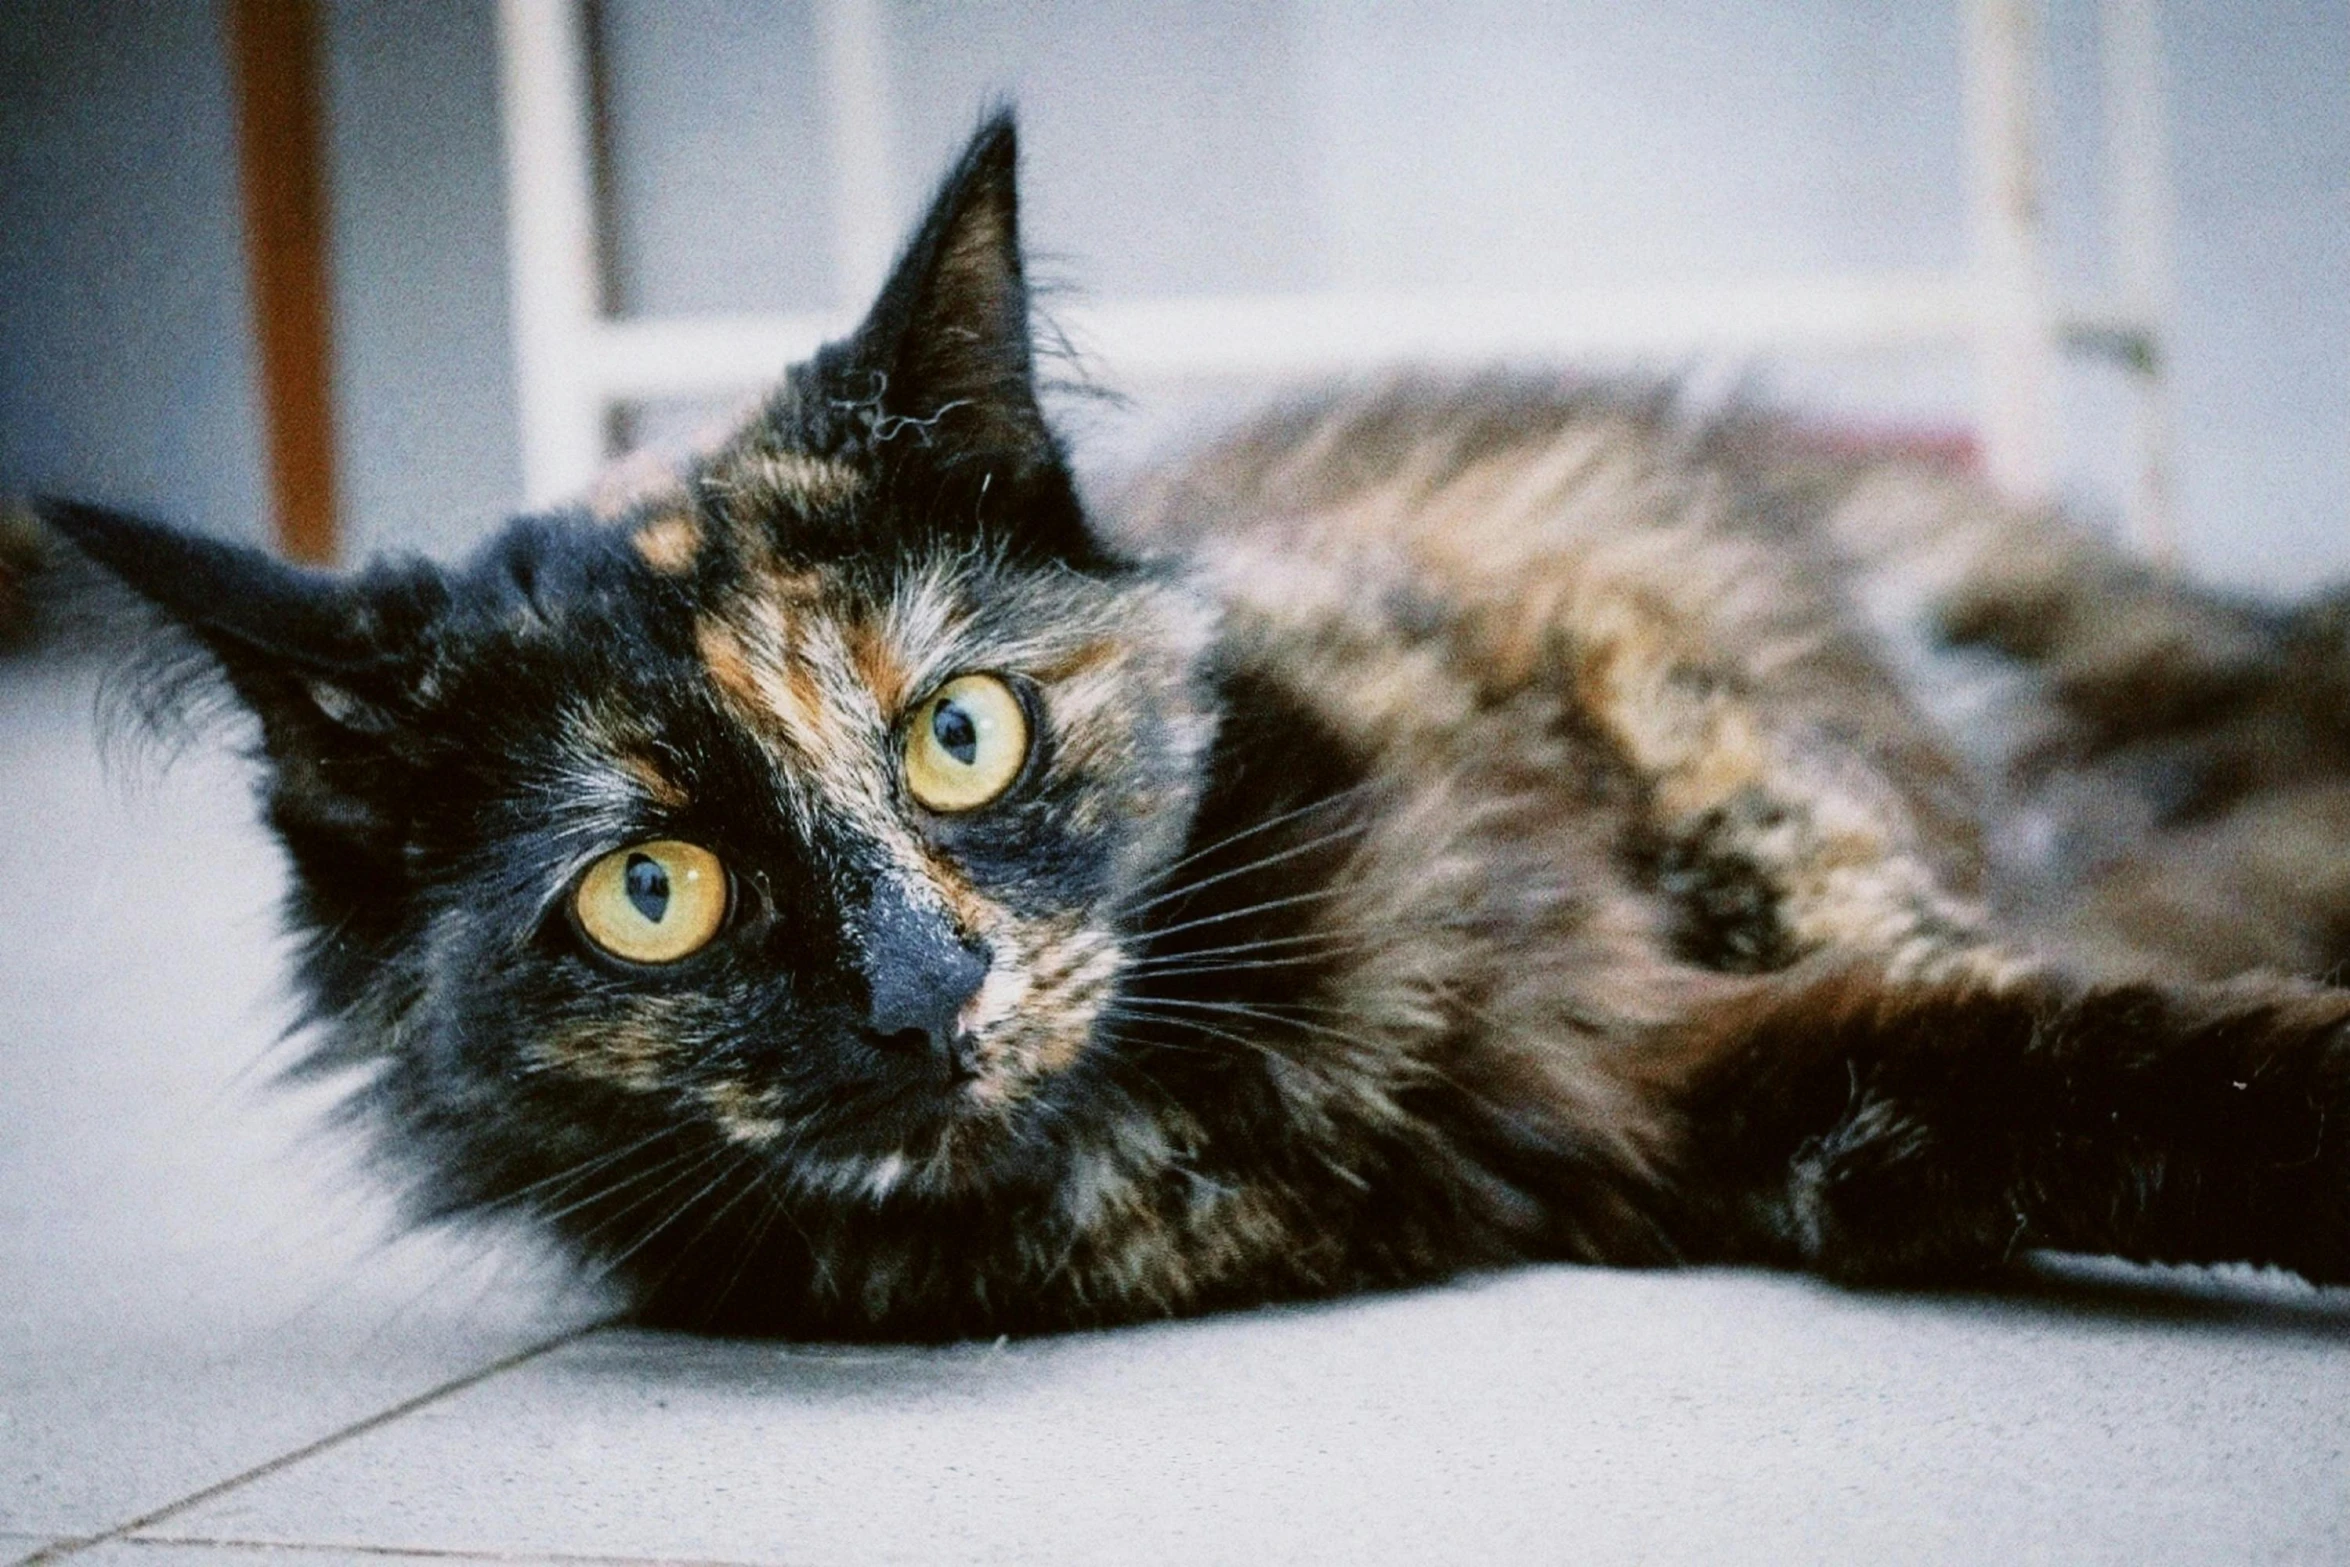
[953,1140]
[947,1166]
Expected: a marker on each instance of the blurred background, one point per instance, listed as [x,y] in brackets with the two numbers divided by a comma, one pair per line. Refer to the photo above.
[1241,150]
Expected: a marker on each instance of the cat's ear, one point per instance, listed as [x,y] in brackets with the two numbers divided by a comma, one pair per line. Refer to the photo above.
[233,599]
[328,664]
[947,347]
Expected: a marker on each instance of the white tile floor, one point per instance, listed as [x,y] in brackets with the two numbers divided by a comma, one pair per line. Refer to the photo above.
[208,1354]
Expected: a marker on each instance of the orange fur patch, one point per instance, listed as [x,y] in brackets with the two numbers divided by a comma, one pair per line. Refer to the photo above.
[669,544]
[1082,660]
[877,663]
[659,787]
[729,667]
[745,1115]
[627,1053]
[793,479]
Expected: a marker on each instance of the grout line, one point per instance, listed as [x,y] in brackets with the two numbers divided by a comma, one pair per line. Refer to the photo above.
[434,1552]
[58,1550]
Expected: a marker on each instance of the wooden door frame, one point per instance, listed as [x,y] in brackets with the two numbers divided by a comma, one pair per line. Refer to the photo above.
[274,47]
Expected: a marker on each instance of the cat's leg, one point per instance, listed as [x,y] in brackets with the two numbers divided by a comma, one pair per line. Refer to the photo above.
[1889,1133]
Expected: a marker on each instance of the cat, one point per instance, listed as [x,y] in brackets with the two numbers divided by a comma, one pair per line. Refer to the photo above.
[855,885]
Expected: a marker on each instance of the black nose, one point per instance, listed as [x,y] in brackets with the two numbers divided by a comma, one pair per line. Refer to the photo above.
[919,975]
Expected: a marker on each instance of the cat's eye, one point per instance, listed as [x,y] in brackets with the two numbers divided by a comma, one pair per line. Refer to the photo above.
[965,744]
[653,903]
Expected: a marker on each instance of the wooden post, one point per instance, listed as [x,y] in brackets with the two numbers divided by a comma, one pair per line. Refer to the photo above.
[274,45]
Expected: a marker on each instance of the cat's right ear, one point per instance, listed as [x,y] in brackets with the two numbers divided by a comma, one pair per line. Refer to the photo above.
[327,663]
[947,345]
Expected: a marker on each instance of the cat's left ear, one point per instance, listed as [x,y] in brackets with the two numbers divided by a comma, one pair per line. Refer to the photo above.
[947,348]
[325,662]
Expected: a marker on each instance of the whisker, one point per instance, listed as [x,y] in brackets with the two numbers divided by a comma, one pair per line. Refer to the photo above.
[1269,1011]
[1352,829]
[1174,969]
[1341,937]
[1267,825]
[1154,1042]
[1257,944]
[433,1286]
[1418,1065]
[1305,1026]
[685,1252]
[755,1238]
[598,1267]
[731,1168]
[1293,1063]
[682,1157]
[471,1254]
[1266,907]
[570,1175]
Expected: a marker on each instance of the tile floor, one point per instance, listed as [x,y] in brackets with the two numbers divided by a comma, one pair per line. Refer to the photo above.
[211,1352]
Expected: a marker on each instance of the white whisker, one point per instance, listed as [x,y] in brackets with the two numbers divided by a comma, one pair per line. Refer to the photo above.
[1352,829]
[1267,825]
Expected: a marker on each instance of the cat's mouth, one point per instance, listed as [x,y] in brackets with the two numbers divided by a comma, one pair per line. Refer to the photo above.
[916,1136]
[912,1112]
[958,1120]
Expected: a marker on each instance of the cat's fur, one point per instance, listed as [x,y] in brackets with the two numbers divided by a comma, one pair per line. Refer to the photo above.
[1469,823]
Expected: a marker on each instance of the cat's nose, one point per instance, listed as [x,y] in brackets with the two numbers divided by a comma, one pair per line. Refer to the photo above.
[919,975]
[918,998]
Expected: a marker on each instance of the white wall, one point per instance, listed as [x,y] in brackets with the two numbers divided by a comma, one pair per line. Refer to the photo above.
[1172,148]
[2263,160]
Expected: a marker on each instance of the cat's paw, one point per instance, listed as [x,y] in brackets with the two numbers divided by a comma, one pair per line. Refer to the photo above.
[1873,1203]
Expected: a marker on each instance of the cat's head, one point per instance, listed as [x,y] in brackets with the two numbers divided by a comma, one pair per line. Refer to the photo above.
[791,815]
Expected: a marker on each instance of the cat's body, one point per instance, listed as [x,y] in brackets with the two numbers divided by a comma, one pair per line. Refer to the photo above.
[1436,827]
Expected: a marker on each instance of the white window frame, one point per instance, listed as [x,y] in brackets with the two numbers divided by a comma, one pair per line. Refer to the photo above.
[576,365]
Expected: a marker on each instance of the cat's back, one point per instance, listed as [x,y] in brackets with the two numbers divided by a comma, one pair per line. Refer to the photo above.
[1422,548]
[1743,610]
[1512,512]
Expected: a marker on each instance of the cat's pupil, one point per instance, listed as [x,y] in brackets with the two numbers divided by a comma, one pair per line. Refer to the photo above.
[647,885]
[952,728]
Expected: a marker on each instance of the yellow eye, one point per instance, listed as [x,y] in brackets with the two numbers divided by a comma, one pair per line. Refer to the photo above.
[966,744]
[654,903]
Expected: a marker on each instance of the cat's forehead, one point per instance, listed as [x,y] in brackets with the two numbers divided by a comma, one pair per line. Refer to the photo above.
[826,593]
[817,658]
[734,505]
[822,660]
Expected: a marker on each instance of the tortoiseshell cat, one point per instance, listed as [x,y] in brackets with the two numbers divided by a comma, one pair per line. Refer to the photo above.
[856,890]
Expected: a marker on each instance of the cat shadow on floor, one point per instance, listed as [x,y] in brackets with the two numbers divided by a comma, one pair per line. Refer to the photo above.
[2051,1286]
[2041,1291]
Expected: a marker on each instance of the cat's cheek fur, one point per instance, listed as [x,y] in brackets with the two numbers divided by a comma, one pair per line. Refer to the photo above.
[1041,1003]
